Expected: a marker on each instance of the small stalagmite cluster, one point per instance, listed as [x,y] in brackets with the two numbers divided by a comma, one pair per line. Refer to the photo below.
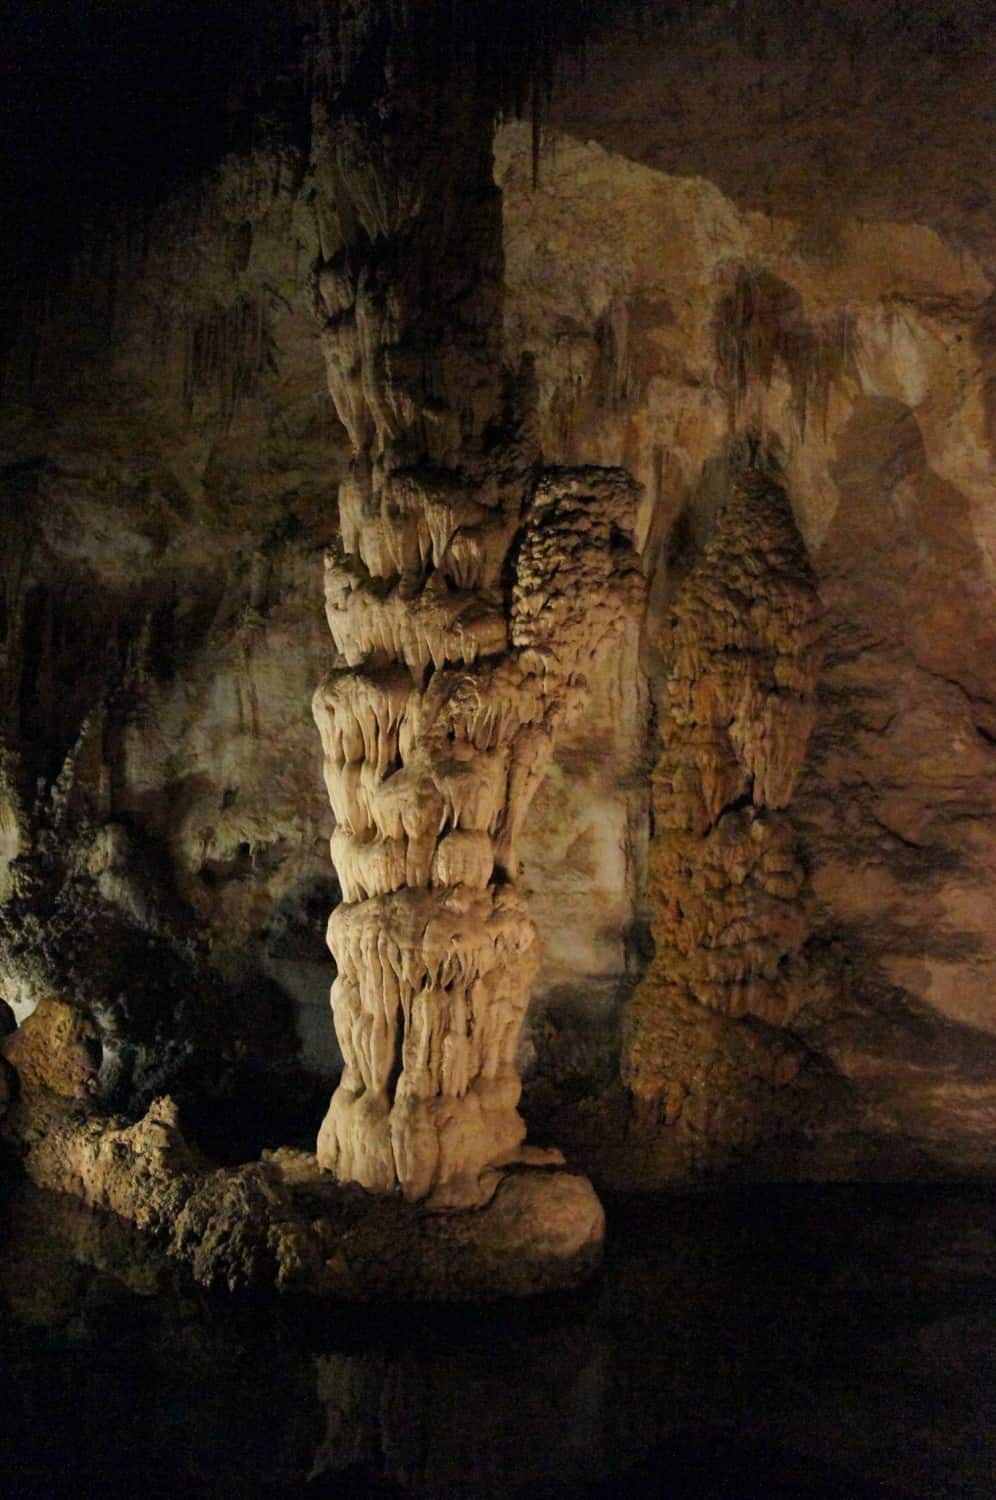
[468,598]
[726,882]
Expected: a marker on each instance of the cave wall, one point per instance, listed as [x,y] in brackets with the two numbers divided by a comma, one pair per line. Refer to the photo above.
[733,236]
[741,246]
[170,466]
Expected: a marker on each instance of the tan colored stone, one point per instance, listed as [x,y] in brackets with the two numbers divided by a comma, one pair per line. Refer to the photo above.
[283,1225]
[438,723]
[57,1047]
[742,650]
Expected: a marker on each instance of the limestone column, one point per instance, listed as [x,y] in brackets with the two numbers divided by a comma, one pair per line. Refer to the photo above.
[467,597]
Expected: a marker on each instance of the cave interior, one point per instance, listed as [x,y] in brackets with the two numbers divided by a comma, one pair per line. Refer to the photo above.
[498,524]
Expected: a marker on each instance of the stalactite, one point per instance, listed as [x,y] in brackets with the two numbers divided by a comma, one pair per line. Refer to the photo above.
[760,325]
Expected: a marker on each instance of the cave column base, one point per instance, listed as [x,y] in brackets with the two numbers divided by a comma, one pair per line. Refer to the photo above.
[282,1224]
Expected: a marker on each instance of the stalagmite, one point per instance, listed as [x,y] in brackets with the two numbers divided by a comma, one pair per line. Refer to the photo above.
[726,883]
[466,602]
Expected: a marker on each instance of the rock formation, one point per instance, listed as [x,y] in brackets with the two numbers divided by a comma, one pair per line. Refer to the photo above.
[466,603]
[731,222]
[727,885]
[282,1225]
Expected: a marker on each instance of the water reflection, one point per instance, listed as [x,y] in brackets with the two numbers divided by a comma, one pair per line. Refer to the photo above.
[819,1342]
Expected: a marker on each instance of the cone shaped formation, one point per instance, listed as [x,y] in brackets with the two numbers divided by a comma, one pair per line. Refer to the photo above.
[743,652]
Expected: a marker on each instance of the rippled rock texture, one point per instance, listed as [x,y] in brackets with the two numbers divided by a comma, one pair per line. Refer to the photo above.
[469,600]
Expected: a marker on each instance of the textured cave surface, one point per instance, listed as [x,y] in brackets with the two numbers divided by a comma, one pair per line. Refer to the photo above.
[472,594]
[756,275]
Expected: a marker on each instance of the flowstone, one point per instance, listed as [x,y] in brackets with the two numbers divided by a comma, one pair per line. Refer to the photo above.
[431,774]
[283,1225]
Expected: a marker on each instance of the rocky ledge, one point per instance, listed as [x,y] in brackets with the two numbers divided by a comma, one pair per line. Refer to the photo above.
[281,1223]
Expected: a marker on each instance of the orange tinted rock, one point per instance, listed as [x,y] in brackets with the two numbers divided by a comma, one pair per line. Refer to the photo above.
[58,1048]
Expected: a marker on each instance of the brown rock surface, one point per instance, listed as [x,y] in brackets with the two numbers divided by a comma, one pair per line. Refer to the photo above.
[282,1224]
[741,643]
[57,1048]
[678,300]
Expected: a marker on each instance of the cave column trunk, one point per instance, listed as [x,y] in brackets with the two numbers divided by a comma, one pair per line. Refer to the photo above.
[458,654]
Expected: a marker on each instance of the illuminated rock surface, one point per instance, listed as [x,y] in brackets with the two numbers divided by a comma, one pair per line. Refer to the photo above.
[470,599]
[753,246]
[283,1225]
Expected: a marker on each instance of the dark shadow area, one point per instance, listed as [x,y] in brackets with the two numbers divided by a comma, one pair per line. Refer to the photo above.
[805,1342]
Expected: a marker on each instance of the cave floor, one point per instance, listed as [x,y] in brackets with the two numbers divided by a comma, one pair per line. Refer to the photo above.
[811,1341]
